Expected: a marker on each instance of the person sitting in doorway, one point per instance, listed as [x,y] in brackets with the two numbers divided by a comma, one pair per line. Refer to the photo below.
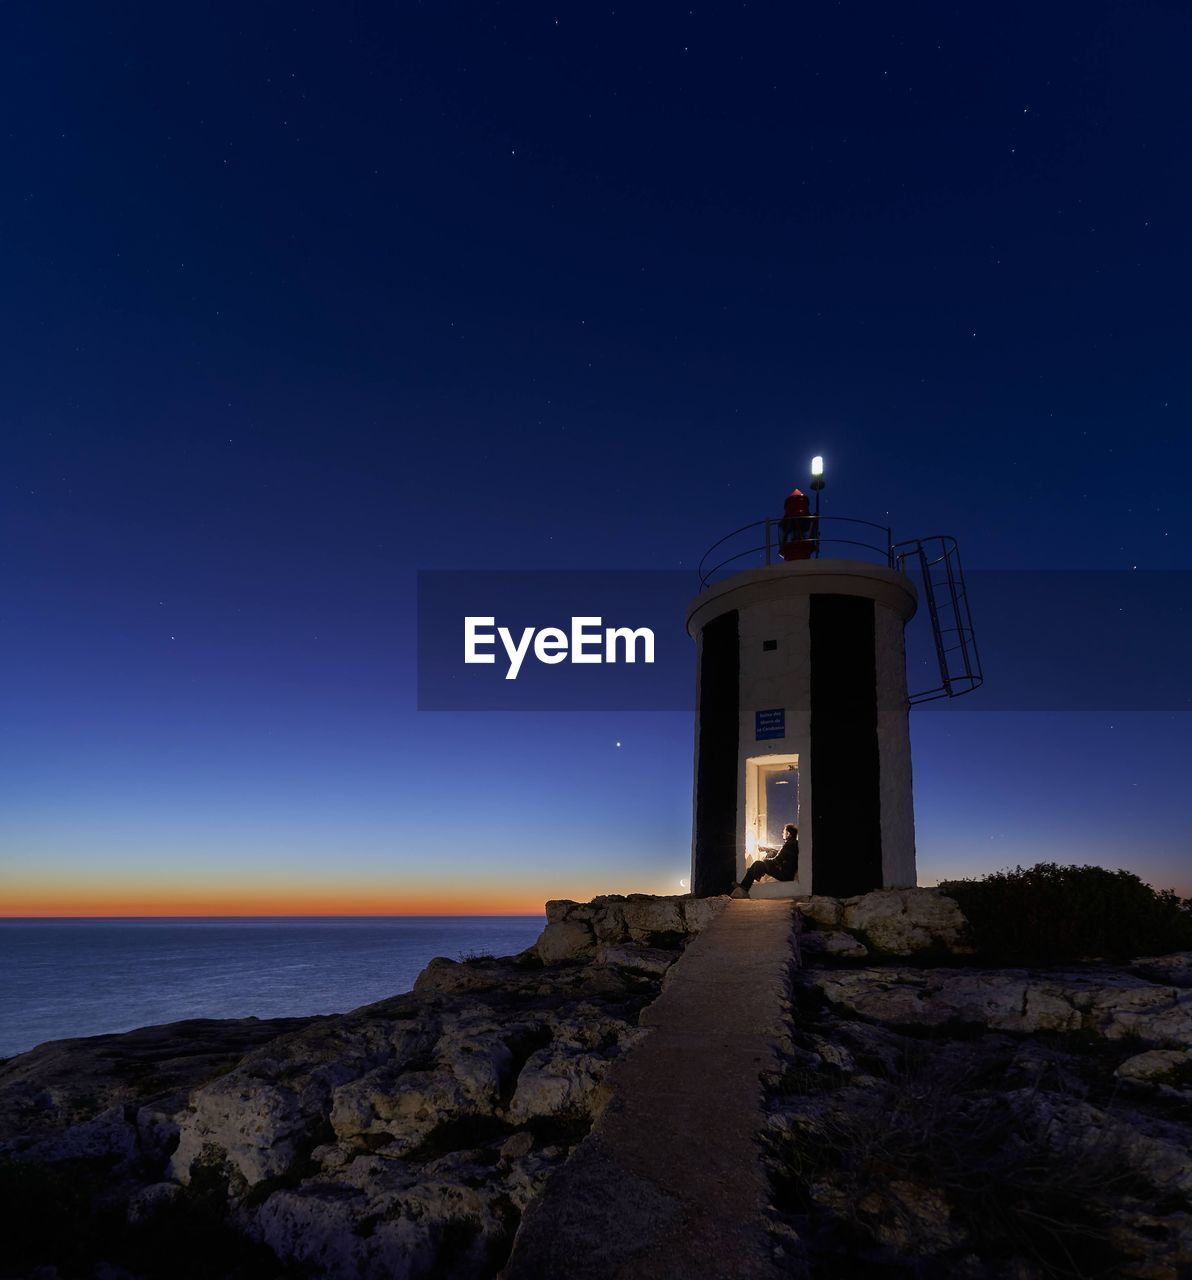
[783,864]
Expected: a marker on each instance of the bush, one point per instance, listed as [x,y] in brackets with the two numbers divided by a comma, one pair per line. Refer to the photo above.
[1048,913]
[983,1175]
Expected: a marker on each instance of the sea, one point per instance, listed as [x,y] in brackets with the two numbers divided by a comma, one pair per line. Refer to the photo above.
[66,978]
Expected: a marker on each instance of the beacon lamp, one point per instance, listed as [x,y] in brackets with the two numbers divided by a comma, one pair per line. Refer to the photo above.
[817,483]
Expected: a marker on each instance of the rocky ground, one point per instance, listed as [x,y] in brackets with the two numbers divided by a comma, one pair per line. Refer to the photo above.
[933,1117]
[938,1119]
[403,1139]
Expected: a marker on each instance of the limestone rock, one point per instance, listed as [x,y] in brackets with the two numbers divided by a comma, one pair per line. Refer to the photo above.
[473,1068]
[517,1145]
[912,1219]
[557,1081]
[1155,1065]
[315,1226]
[61,1083]
[903,922]
[645,915]
[481,1062]
[893,1150]
[157,1128]
[405,1108]
[150,1200]
[1175,969]
[831,942]
[834,1055]
[382,1220]
[635,958]
[1152,1149]
[822,911]
[575,929]
[107,1136]
[381,1142]
[257,1129]
[608,920]
[447,976]
[698,913]
[259,1119]
[565,940]
[1113,1005]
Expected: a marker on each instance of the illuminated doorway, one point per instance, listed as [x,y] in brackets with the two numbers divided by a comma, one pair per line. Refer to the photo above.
[771,801]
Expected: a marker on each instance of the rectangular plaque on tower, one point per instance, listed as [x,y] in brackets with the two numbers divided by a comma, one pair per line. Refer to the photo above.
[769,724]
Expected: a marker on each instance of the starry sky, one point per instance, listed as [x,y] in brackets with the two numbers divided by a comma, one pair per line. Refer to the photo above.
[299,299]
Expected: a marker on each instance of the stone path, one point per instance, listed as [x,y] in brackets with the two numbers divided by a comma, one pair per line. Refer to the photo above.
[669,1182]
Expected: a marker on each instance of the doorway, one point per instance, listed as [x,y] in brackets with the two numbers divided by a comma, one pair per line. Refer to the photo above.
[771,801]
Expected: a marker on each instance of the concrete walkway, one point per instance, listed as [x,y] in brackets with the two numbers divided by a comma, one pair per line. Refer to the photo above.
[669,1182]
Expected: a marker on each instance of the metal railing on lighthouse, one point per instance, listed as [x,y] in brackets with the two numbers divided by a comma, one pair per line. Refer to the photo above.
[932,562]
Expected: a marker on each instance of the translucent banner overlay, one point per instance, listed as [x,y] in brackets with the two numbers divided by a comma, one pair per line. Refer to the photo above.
[1049,640]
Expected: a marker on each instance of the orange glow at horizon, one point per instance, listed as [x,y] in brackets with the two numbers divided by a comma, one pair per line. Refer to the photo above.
[173,898]
[179,898]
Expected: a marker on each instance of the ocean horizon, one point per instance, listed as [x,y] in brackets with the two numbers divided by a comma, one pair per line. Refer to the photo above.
[92,975]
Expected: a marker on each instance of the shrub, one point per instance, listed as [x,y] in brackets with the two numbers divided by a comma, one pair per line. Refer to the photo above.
[1049,913]
[987,1179]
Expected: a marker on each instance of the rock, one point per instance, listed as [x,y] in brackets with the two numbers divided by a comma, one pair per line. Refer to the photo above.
[316,1227]
[108,1136]
[883,1157]
[575,929]
[635,958]
[261,1118]
[698,913]
[1144,1234]
[831,942]
[383,1220]
[476,1052]
[565,942]
[590,1026]
[374,1143]
[1155,1065]
[1151,1149]
[819,910]
[150,1200]
[404,1107]
[903,922]
[473,1068]
[608,923]
[517,1145]
[912,1219]
[446,976]
[258,1129]
[557,1082]
[1175,969]
[157,1128]
[1162,1016]
[834,1055]
[645,916]
[1114,1005]
[61,1083]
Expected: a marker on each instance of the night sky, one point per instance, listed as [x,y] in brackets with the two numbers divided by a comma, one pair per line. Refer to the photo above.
[300,299]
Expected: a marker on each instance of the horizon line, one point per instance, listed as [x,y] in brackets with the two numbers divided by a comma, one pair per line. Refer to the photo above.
[280,915]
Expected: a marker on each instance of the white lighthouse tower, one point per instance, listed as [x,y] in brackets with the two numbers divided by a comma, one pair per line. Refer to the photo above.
[802,711]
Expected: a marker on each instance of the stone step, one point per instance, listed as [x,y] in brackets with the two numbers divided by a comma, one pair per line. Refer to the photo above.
[670,1182]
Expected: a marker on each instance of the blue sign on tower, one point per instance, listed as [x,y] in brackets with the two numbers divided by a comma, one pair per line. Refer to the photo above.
[769,724]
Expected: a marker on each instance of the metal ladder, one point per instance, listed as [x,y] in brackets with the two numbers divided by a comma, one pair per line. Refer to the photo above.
[936,562]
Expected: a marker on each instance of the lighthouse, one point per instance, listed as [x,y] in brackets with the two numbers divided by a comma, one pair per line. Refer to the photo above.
[802,706]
